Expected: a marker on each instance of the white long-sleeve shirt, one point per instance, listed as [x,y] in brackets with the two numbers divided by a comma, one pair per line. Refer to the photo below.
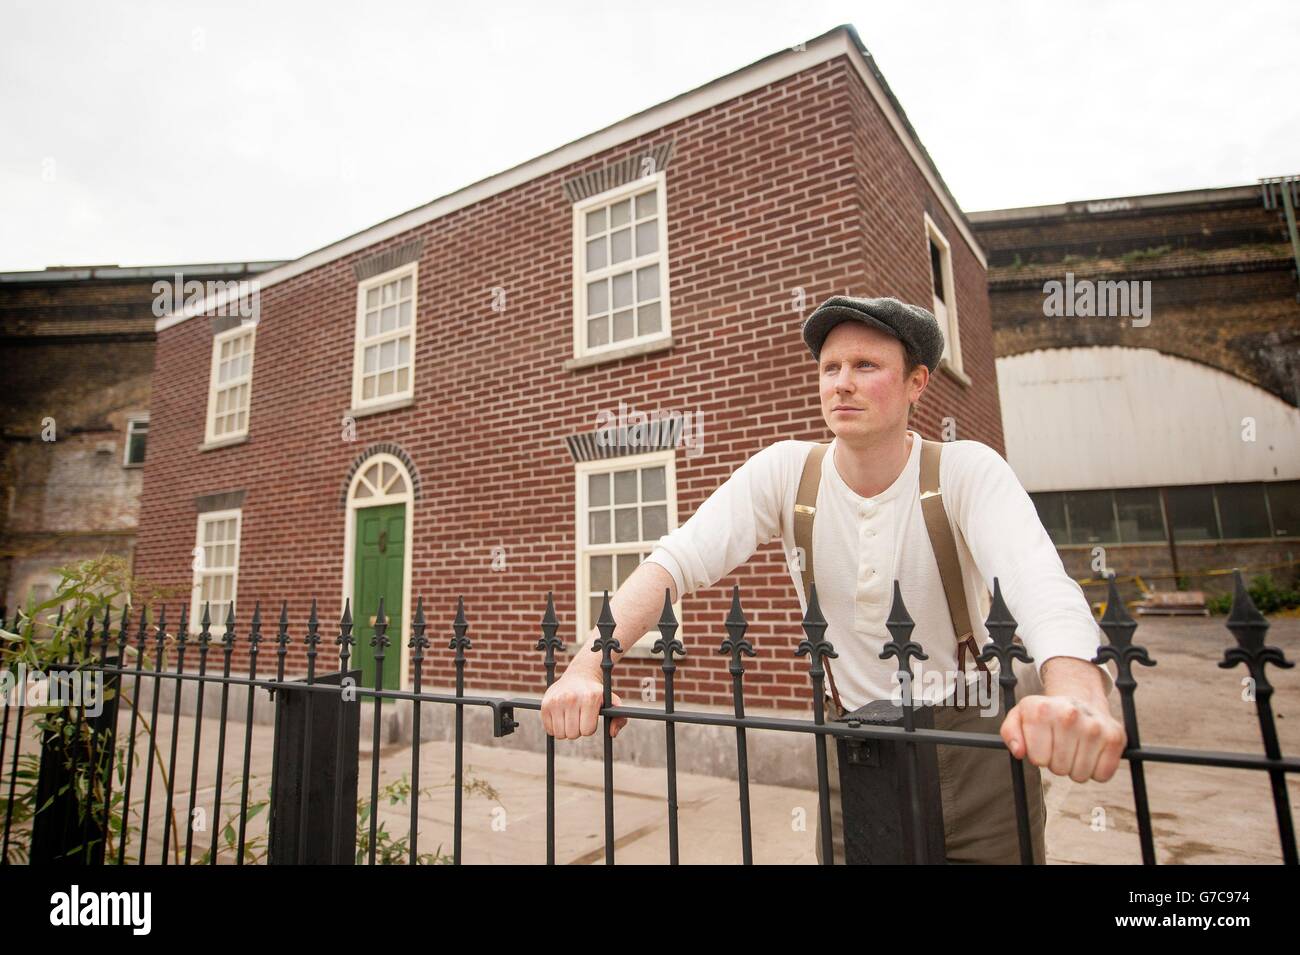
[862,544]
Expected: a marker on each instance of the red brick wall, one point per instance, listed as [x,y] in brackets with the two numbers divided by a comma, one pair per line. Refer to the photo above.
[797,185]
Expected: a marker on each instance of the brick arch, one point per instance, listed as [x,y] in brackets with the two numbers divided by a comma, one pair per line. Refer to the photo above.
[381,447]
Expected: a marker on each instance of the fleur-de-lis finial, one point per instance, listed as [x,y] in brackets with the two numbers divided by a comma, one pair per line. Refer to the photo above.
[460,643]
[901,646]
[735,642]
[1249,628]
[815,646]
[379,638]
[605,644]
[345,639]
[1118,625]
[549,643]
[668,645]
[228,638]
[313,628]
[418,641]
[1002,628]
[255,629]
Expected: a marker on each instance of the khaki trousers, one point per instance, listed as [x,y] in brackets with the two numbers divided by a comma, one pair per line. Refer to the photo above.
[979,809]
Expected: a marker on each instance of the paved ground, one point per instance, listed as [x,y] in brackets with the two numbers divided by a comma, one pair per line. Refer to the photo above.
[1200,815]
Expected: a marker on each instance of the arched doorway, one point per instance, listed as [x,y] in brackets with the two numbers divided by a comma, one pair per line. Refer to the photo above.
[378,562]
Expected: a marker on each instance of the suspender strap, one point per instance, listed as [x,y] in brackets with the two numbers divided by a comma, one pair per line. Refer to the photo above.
[805,508]
[945,554]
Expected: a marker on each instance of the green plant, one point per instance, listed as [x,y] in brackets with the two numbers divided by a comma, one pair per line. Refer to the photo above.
[1267,597]
[44,637]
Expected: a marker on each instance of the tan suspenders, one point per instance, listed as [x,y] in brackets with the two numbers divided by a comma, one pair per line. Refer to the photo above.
[941,542]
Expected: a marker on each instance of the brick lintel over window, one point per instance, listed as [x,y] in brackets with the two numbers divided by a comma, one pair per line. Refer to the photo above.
[221,501]
[658,434]
[388,260]
[638,164]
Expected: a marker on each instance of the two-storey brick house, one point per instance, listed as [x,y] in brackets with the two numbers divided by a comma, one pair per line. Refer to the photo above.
[419,410]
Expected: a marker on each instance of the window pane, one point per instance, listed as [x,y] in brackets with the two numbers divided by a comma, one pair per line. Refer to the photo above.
[595,221]
[626,564]
[620,246]
[647,283]
[600,527]
[404,315]
[655,519]
[625,487]
[936,270]
[1139,514]
[135,447]
[1284,504]
[372,297]
[620,213]
[602,572]
[648,317]
[623,326]
[594,607]
[645,204]
[1092,521]
[1242,511]
[405,290]
[652,484]
[1191,511]
[1051,511]
[623,290]
[596,254]
[647,237]
[597,297]
[597,331]
[598,490]
[625,524]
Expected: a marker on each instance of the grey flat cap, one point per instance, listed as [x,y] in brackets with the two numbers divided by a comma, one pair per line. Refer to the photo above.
[908,323]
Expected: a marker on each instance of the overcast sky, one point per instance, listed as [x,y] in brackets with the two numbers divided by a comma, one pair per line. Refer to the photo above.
[186,132]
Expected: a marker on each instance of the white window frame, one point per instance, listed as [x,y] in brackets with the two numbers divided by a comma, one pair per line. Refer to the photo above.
[359,345]
[584,626]
[946,311]
[210,435]
[196,598]
[131,422]
[659,257]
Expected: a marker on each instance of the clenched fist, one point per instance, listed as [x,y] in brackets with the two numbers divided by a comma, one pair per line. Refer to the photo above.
[571,706]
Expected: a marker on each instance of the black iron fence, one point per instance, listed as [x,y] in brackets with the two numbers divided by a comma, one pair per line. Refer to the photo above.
[75,797]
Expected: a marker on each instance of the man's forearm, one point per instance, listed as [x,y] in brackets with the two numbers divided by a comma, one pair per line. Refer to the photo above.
[636,607]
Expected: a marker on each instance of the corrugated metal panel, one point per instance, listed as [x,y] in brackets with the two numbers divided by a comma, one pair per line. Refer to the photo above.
[1079,418]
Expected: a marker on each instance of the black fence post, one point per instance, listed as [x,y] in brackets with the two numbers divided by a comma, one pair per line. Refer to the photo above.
[304,813]
[876,792]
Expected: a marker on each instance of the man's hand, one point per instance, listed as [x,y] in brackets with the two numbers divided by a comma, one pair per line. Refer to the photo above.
[1068,729]
[571,705]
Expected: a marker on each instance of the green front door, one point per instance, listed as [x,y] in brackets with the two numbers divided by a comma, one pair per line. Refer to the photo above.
[380,558]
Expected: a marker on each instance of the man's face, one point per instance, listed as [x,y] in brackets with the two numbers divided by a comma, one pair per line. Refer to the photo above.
[864,391]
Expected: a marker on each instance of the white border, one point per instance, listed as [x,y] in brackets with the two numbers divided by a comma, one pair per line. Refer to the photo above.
[668,458]
[580,210]
[349,545]
[953,330]
[218,626]
[412,269]
[772,69]
[210,422]
[135,418]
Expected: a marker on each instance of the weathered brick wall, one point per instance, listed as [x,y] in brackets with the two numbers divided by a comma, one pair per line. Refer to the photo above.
[797,185]
[1222,273]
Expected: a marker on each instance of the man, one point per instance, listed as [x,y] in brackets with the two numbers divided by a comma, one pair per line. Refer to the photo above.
[875,357]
